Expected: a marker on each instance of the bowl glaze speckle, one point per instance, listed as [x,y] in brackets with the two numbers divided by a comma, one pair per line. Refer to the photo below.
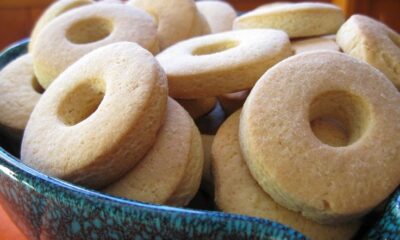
[48,208]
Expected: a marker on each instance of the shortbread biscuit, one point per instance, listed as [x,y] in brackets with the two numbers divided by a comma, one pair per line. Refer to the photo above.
[198,107]
[373,42]
[76,33]
[308,174]
[54,10]
[221,63]
[19,93]
[296,19]
[237,192]
[231,102]
[170,173]
[177,19]
[313,44]
[99,118]
[219,15]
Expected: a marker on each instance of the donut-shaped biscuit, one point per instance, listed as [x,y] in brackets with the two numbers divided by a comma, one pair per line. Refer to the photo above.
[273,4]
[219,15]
[237,192]
[177,19]
[304,173]
[99,118]
[76,33]
[296,19]
[314,44]
[231,102]
[221,63]
[170,173]
[19,93]
[198,107]
[373,42]
[54,10]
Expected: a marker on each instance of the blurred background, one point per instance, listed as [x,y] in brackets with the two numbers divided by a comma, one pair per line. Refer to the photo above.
[18,16]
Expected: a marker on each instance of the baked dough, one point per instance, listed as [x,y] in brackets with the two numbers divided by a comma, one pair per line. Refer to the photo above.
[76,33]
[231,102]
[313,44]
[99,118]
[170,173]
[308,174]
[54,10]
[177,19]
[272,4]
[198,107]
[19,93]
[373,42]
[296,19]
[219,15]
[222,63]
[237,192]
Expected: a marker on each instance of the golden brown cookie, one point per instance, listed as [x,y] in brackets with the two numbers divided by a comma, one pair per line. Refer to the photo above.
[231,102]
[296,19]
[170,173]
[54,10]
[309,174]
[99,118]
[221,63]
[177,19]
[19,93]
[373,42]
[313,44]
[272,4]
[198,107]
[76,33]
[219,15]
[237,192]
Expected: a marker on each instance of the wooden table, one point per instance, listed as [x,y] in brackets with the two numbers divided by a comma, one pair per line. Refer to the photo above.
[8,231]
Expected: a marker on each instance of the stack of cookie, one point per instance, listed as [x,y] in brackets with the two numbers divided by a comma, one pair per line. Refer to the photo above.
[107,96]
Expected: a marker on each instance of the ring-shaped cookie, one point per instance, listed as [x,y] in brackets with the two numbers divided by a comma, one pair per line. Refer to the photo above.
[170,173]
[373,42]
[76,33]
[296,19]
[237,192]
[198,107]
[99,118]
[177,19]
[314,44]
[330,184]
[19,93]
[221,63]
[54,10]
[231,102]
[219,15]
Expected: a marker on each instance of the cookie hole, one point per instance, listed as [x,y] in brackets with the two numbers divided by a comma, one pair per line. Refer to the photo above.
[215,48]
[89,30]
[81,102]
[338,118]
[36,86]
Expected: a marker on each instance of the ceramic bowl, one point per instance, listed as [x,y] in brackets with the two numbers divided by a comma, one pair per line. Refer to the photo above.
[48,208]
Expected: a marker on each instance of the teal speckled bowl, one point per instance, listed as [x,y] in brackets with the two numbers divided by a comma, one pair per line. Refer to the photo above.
[48,208]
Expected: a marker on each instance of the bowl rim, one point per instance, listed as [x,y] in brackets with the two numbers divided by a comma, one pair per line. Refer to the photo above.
[75,189]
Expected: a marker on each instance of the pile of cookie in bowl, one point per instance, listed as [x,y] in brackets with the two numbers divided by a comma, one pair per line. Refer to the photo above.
[113,96]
